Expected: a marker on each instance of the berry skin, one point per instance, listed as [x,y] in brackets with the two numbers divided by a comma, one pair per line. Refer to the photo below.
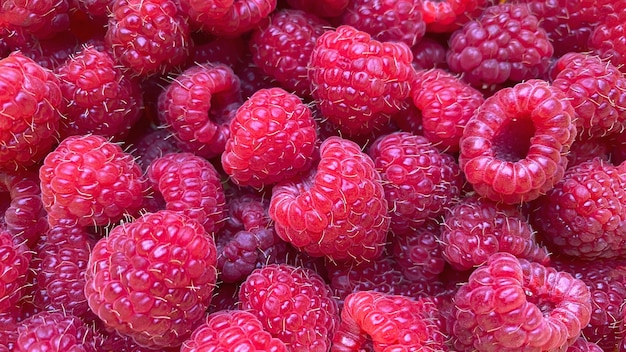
[293,304]
[273,137]
[28,104]
[39,18]
[322,8]
[504,44]
[596,90]
[393,323]
[228,18]
[475,228]
[513,148]
[14,266]
[282,48]
[387,20]
[511,304]
[55,332]
[419,181]
[152,279]
[359,82]
[338,210]
[232,330]
[608,39]
[194,106]
[190,185]
[583,215]
[445,105]
[25,215]
[89,181]
[147,36]
[98,97]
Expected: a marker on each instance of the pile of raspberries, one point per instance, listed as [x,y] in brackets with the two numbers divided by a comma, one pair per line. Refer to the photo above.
[313,176]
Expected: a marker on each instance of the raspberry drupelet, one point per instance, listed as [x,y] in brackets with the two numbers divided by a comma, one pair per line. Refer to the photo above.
[514,147]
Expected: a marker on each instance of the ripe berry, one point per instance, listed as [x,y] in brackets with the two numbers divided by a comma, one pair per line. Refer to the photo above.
[228,18]
[419,252]
[448,15]
[338,210]
[55,332]
[359,82]
[513,149]
[608,39]
[272,138]
[40,18]
[16,258]
[25,215]
[89,181]
[322,8]
[152,279]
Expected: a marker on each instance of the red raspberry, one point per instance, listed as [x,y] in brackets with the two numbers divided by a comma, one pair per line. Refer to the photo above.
[606,280]
[582,215]
[393,323]
[283,46]
[190,185]
[98,97]
[293,304]
[28,104]
[608,39]
[476,228]
[14,266]
[321,8]
[52,52]
[55,332]
[515,305]
[582,345]
[588,149]
[596,90]
[59,269]
[194,104]
[227,51]
[95,8]
[419,181]
[147,36]
[253,78]
[232,331]
[152,279]
[445,104]
[25,215]
[153,145]
[338,210]
[418,253]
[387,20]
[40,18]
[504,44]
[448,15]
[357,81]
[429,53]
[512,149]
[89,181]
[273,137]
[228,18]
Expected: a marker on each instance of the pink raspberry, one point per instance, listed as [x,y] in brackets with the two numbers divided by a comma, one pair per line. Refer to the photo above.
[40,18]
[152,279]
[89,181]
[338,210]
[55,332]
[359,82]
[272,138]
[513,149]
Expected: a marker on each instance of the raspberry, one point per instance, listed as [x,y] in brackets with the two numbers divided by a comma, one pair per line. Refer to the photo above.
[193,107]
[512,149]
[606,280]
[98,97]
[190,185]
[504,44]
[228,18]
[582,345]
[394,323]
[282,47]
[152,279]
[14,266]
[445,105]
[59,269]
[357,81]
[153,145]
[272,138]
[447,16]
[95,8]
[582,215]
[338,210]
[55,332]
[322,8]
[608,39]
[253,78]
[25,215]
[227,51]
[147,36]
[511,304]
[40,18]
[387,20]
[88,181]
[225,297]
[232,330]
[293,304]
[588,149]
[418,253]
[595,89]
[52,52]
[429,53]
[475,228]
[28,103]
[419,181]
